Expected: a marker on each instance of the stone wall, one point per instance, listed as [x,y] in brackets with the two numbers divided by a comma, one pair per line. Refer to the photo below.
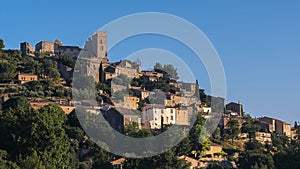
[26,49]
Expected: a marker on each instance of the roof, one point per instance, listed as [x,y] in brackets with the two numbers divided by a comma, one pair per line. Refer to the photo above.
[27,74]
[233,103]
[158,106]
[274,119]
[118,161]
[123,111]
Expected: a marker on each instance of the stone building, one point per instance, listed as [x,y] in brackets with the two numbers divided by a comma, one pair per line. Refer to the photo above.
[120,68]
[96,46]
[94,53]
[46,47]
[278,126]
[26,49]
[234,109]
[72,51]
[130,102]
[151,75]
[183,117]
[24,78]
[225,119]
[172,100]
[155,115]
[188,89]
[57,48]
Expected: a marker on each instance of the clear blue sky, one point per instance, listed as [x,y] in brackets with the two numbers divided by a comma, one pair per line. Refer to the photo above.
[258,41]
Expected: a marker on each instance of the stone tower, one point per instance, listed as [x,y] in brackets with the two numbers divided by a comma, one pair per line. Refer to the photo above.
[94,53]
[97,46]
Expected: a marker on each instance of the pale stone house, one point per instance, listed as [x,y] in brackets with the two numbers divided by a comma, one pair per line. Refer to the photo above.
[24,78]
[155,115]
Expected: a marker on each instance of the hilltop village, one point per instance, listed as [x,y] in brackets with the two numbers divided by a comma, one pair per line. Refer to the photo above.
[136,102]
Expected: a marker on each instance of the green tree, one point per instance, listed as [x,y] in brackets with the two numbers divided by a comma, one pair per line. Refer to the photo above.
[253,145]
[169,69]
[5,163]
[158,66]
[67,60]
[288,159]
[17,123]
[50,69]
[51,142]
[32,66]
[217,133]
[32,162]
[134,131]
[233,129]
[37,137]
[7,71]
[167,160]
[256,160]
[2,46]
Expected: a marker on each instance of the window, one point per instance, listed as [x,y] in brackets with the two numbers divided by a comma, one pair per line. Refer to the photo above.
[171,117]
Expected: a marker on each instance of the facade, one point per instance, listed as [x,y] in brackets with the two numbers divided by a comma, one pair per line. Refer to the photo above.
[151,75]
[269,127]
[96,46]
[183,117]
[234,109]
[278,126]
[43,47]
[24,78]
[120,68]
[263,137]
[72,51]
[225,119]
[172,100]
[155,115]
[142,93]
[128,102]
[188,89]
[26,49]
[131,102]
[94,53]
[50,48]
